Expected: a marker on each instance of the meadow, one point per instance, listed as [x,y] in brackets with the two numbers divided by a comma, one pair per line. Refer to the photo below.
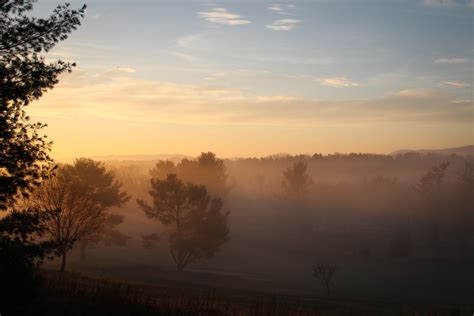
[82,294]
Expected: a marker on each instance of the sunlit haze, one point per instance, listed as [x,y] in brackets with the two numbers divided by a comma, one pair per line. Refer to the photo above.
[253,78]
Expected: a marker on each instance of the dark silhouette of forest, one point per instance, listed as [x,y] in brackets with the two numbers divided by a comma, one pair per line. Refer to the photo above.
[339,234]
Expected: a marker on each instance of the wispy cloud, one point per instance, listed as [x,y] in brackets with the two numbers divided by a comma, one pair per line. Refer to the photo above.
[116,71]
[452,61]
[295,60]
[184,56]
[457,84]
[278,98]
[126,70]
[189,41]
[222,16]
[281,8]
[338,82]
[283,25]
[416,93]
[131,99]
[276,7]
[94,46]
[236,73]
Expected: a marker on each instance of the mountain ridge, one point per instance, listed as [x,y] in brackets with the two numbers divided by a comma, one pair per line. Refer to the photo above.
[462,151]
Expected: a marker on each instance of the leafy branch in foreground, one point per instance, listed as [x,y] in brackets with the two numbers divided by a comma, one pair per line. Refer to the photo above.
[24,153]
[24,77]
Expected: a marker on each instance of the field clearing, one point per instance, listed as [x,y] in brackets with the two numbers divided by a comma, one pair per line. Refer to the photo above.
[81,294]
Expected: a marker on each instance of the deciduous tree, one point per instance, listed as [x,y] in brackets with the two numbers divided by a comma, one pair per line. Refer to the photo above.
[207,170]
[296,180]
[325,274]
[78,197]
[197,225]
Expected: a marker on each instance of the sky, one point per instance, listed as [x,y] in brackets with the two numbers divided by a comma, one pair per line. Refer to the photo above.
[254,78]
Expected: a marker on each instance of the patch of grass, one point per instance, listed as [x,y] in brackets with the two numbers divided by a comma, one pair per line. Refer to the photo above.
[76,294]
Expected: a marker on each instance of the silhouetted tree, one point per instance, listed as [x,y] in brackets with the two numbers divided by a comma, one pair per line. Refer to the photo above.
[430,190]
[24,77]
[24,153]
[325,274]
[163,168]
[79,197]
[429,185]
[296,180]
[198,226]
[20,257]
[296,183]
[207,170]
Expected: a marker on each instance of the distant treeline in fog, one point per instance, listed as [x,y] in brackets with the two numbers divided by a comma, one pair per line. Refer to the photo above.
[360,204]
[332,222]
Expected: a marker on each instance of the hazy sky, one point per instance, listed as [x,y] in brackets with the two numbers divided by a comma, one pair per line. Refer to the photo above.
[254,78]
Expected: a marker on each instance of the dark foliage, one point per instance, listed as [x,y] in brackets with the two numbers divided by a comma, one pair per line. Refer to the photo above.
[24,153]
[198,227]
[20,256]
[207,170]
[325,274]
[24,77]
[296,180]
[79,197]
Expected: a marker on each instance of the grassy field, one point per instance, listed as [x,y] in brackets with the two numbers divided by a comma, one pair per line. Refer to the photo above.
[78,294]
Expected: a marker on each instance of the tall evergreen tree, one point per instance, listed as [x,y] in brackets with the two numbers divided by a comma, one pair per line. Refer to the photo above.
[24,153]
[25,76]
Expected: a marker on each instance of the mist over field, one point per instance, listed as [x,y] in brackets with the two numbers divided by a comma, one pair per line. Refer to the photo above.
[362,213]
[237,158]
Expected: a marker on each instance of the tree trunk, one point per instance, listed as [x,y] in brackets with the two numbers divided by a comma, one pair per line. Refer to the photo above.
[63,263]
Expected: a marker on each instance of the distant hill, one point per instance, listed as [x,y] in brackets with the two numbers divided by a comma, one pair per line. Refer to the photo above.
[460,151]
[172,157]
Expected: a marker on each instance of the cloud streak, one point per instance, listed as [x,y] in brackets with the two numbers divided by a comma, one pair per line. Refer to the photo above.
[338,82]
[222,16]
[281,8]
[452,61]
[130,99]
[116,71]
[283,25]
[457,84]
